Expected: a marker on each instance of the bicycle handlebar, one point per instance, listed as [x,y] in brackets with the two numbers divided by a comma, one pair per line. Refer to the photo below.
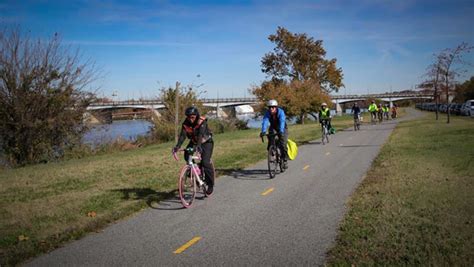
[267,134]
[198,155]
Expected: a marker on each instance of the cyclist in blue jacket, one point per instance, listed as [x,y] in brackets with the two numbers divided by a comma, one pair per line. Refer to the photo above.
[274,121]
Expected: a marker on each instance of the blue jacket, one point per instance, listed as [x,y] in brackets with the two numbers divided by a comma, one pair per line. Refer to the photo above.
[279,124]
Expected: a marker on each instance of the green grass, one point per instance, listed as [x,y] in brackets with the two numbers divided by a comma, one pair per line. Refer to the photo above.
[49,204]
[416,204]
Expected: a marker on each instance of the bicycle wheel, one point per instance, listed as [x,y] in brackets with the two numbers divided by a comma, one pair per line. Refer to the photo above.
[272,161]
[327,135]
[187,186]
[279,160]
[355,125]
[323,134]
[325,138]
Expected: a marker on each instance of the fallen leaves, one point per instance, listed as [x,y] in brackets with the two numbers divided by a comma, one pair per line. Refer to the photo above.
[23,238]
[91,214]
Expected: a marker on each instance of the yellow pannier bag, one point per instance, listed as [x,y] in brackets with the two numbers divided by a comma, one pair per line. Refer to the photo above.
[292,149]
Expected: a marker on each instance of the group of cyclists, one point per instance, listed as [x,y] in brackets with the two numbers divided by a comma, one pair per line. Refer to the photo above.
[196,129]
[381,112]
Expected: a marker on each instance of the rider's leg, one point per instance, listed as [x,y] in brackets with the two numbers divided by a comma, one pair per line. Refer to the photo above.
[206,155]
[283,141]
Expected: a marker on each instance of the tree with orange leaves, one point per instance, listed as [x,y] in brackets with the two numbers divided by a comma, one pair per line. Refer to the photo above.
[300,76]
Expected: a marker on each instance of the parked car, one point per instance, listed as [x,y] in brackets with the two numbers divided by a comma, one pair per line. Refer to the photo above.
[468,108]
[456,109]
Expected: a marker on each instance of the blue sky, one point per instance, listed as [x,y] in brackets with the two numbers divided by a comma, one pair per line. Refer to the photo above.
[142,46]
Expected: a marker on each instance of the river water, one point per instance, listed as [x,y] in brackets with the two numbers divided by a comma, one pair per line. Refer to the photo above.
[130,129]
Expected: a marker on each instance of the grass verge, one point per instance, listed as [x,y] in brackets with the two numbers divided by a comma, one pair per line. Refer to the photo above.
[416,204]
[43,206]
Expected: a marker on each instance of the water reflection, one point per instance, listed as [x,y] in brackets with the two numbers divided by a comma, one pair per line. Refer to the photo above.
[130,129]
[126,129]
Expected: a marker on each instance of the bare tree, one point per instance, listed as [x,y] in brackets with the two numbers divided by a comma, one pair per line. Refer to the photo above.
[451,57]
[42,97]
[434,82]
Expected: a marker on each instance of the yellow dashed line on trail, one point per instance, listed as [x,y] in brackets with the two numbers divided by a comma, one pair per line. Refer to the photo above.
[328,153]
[268,191]
[187,245]
[306,167]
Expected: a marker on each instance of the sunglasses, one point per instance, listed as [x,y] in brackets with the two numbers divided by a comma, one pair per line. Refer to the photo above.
[192,116]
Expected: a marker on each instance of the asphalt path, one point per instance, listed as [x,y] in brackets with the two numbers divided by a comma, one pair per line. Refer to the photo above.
[249,220]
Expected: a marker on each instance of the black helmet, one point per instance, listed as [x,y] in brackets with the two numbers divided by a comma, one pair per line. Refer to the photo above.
[191,111]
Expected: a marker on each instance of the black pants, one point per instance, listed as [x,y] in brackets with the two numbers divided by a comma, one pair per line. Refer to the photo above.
[206,165]
[282,143]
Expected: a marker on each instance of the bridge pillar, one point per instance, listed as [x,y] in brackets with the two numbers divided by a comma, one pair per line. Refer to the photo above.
[338,108]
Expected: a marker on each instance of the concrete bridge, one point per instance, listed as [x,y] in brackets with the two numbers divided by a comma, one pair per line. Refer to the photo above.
[232,102]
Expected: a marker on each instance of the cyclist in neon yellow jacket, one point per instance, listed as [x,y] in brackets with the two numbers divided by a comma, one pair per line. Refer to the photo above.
[373,110]
[325,116]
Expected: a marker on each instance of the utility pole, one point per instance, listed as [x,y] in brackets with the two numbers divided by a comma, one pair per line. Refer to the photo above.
[176,119]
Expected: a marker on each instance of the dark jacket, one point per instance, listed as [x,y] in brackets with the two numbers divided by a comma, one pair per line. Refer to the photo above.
[198,132]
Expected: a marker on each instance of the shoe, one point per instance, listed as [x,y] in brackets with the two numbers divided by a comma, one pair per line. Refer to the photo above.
[209,190]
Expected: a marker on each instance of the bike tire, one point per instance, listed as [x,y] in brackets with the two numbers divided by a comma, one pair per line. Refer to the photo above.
[272,161]
[325,135]
[280,161]
[187,186]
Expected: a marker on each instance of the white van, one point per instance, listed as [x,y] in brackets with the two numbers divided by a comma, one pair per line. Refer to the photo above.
[468,108]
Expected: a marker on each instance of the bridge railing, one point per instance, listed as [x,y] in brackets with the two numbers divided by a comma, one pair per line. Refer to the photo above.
[254,100]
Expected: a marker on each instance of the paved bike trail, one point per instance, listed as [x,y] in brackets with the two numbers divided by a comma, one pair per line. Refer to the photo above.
[249,220]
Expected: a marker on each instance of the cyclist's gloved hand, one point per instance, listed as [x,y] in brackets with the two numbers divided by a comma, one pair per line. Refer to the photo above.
[175,149]
[262,134]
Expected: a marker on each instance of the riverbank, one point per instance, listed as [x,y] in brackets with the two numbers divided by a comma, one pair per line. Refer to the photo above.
[415,206]
[43,206]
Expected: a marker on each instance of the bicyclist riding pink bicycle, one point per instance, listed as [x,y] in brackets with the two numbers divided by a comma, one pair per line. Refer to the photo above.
[195,128]
[274,121]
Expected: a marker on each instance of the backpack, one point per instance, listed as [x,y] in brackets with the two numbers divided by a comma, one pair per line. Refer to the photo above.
[292,149]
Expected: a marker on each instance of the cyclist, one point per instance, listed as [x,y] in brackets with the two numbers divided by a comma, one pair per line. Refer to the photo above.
[195,128]
[373,110]
[386,109]
[274,121]
[380,113]
[394,111]
[356,111]
[325,116]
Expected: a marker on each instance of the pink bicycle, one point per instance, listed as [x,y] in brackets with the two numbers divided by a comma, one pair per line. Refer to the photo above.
[191,178]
